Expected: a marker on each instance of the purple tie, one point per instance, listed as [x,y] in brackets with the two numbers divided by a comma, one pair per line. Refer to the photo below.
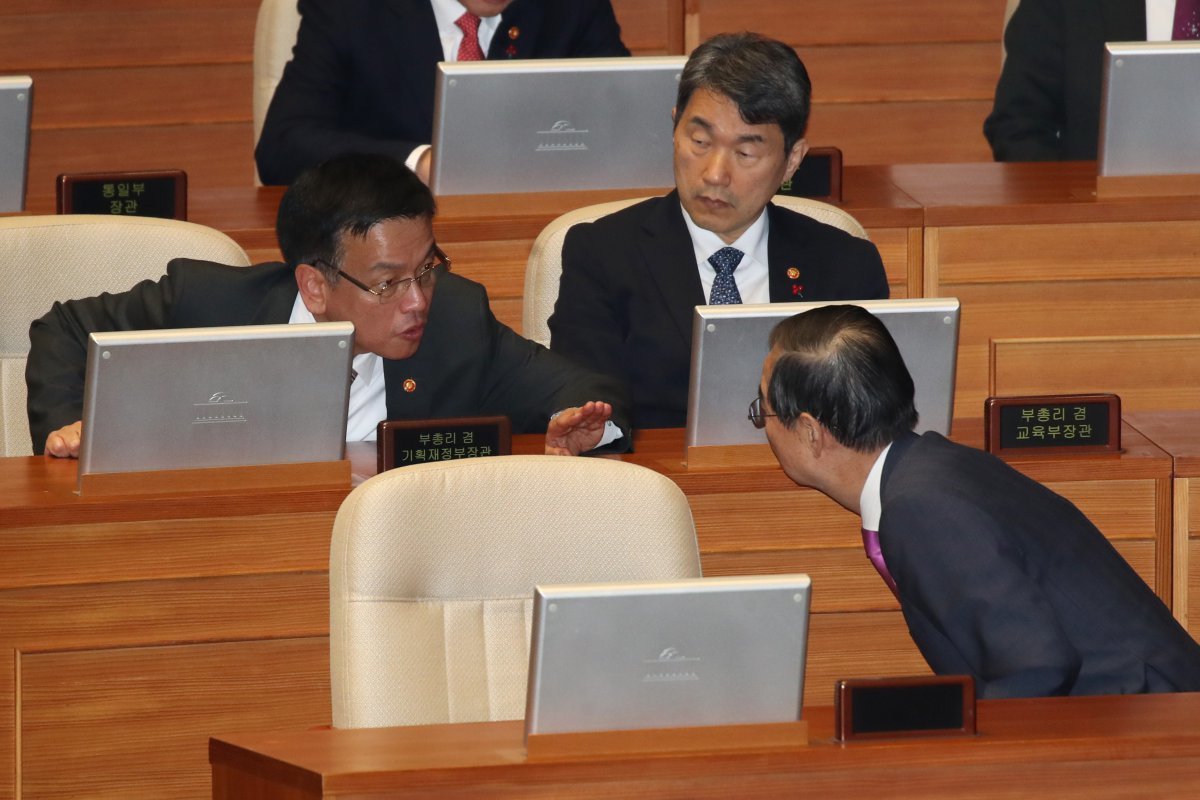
[1187,20]
[871,545]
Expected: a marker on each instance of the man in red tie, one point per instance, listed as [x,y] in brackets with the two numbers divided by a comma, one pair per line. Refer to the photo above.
[1047,105]
[997,576]
[361,77]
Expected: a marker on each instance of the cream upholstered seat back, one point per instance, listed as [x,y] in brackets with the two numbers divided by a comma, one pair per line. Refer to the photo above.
[48,258]
[544,266]
[432,569]
[274,38]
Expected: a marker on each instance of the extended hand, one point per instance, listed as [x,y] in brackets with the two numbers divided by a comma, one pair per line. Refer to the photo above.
[577,430]
[64,442]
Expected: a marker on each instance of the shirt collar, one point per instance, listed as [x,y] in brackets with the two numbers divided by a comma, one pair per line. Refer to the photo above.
[870,503]
[364,364]
[752,241]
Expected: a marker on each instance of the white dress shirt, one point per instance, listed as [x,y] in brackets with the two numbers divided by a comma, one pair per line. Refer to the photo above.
[1160,20]
[870,502]
[751,275]
[446,12]
[368,401]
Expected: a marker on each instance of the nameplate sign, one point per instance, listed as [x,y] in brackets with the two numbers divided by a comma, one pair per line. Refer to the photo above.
[160,193]
[880,708]
[402,443]
[819,176]
[1053,424]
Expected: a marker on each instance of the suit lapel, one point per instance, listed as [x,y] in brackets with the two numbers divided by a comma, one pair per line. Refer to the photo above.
[519,27]
[788,279]
[670,259]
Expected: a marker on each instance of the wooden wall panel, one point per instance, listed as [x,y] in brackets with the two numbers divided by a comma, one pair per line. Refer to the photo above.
[651,27]
[902,132]
[816,22]
[107,724]
[139,96]
[103,37]
[213,155]
[901,72]
[1148,373]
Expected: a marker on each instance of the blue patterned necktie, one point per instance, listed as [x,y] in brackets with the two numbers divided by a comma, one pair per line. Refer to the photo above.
[724,288]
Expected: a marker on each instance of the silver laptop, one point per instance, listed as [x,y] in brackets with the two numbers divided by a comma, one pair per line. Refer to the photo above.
[216,397]
[1150,109]
[16,104]
[729,344]
[706,651]
[535,125]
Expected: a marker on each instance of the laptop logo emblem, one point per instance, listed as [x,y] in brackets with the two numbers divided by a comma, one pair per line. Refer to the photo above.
[220,408]
[562,137]
[671,666]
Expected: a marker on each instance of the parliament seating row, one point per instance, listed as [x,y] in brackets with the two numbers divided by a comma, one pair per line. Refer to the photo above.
[142,84]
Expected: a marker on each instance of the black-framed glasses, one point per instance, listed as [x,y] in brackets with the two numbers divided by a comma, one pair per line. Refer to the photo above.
[756,415]
[425,278]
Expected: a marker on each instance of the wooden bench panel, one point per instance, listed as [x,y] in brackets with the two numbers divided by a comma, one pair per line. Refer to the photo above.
[213,155]
[139,96]
[902,72]
[852,21]
[1147,372]
[898,133]
[135,722]
[651,27]
[107,38]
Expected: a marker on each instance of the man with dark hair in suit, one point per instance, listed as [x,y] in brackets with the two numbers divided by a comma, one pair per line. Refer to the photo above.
[361,77]
[631,280]
[997,576]
[1047,105]
[357,236]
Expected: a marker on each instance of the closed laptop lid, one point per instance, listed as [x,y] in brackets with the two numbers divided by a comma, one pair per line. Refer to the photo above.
[213,397]
[708,651]
[536,125]
[16,104]
[1150,109]
[730,342]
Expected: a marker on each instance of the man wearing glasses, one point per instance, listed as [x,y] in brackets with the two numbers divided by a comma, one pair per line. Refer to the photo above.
[997,576]
[357,237]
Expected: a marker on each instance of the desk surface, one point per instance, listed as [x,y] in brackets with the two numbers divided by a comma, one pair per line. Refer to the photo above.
[1092,747]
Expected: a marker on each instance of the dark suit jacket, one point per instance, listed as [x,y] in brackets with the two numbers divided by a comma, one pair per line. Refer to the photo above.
[1002,579]
[630,283]
[361,77]
[467,364]
[1047,103]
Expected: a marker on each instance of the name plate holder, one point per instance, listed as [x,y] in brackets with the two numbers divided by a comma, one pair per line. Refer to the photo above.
[665,741]
[1066,424]
[155,193]
[316,475]
[887,708]
[402,443]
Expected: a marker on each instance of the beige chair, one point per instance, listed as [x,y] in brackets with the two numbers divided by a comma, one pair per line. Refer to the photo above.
[432,569]
[274,37]
[544,266]
[44,259]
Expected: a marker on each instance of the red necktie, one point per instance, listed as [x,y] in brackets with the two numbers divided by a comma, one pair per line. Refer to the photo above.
[871,545]
[1187,20]
[469,50]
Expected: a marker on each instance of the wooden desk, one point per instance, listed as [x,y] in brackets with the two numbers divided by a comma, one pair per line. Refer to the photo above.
[170,618]
[1085,747]
[1178,433]
[1061,291]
